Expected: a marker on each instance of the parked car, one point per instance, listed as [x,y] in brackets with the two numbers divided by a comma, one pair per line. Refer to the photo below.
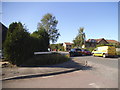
[75,52]
[105,51]
[86,52]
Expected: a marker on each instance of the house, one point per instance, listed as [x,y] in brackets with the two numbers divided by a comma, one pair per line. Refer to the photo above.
[67,46]
[3,32]
[94,42]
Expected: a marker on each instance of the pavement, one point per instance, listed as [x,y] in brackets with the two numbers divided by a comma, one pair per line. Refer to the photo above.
[10,73]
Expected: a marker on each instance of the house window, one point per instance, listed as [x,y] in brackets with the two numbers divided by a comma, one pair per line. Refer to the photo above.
[68,45]
[92,40]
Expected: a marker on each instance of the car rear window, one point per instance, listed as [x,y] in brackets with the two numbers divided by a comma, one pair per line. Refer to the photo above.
[78,49]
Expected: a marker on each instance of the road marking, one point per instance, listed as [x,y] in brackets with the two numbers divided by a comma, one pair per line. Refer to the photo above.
[94,85]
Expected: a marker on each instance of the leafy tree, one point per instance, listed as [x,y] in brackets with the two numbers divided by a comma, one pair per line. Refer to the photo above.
[59,46]
[49,23]
[42,39]
[80,38]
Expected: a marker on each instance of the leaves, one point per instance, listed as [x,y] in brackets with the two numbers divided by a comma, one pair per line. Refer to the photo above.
[49,23]
[80,38]
[17,43]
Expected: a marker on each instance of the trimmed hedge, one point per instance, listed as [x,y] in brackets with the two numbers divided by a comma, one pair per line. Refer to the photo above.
[19,46]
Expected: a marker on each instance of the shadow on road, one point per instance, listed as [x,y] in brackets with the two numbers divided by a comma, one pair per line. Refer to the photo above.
[69,64]
[81,56]
[45,70]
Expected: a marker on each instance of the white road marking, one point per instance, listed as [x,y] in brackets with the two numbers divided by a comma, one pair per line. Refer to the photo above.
[94,85]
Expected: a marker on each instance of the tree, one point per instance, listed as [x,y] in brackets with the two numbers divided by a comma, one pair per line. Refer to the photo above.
[49,23]
[80,38]
[17,48]
[59,46]
[42,39]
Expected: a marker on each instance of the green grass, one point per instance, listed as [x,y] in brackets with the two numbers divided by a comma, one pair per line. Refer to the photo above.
[49,59]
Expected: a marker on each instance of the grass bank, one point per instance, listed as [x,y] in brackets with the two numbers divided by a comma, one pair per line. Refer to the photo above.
[46,59]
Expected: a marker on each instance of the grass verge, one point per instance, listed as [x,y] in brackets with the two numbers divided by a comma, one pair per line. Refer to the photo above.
[47,59]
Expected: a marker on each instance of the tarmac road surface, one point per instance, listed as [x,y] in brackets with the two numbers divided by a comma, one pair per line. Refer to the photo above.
[102,74]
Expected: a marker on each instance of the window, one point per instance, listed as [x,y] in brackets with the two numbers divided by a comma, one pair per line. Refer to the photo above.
[96,49]
[72,49]
[92,40]
[78,50]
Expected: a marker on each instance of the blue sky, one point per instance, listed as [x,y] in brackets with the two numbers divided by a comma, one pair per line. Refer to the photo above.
[100,19]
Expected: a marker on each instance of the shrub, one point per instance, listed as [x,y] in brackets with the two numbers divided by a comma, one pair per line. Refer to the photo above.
[90,48]
[17,44]
[40,39]
[58,47]
[48,59]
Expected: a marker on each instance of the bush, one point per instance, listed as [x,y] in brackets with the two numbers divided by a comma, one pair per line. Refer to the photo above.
[40,39]
[90,49]
[49,59]
[17,46]
[58,47]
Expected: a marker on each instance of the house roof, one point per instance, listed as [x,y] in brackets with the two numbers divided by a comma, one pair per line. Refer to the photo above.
[98,40]
[112,41]
[68,43]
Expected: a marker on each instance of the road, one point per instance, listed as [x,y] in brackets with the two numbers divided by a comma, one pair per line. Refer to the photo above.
[104,67]
[102,74]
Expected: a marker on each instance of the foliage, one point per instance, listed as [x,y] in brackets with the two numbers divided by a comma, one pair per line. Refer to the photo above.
[49,23]
[60,47]
[41,40]
[17,46]
[104,45]
[48,59]
[80,38]
[90,49]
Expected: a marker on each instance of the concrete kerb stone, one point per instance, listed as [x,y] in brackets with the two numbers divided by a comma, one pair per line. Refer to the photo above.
[64,70]
[43,74]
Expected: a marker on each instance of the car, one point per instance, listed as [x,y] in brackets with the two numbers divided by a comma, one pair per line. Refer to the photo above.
[75,52]
[86,52]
